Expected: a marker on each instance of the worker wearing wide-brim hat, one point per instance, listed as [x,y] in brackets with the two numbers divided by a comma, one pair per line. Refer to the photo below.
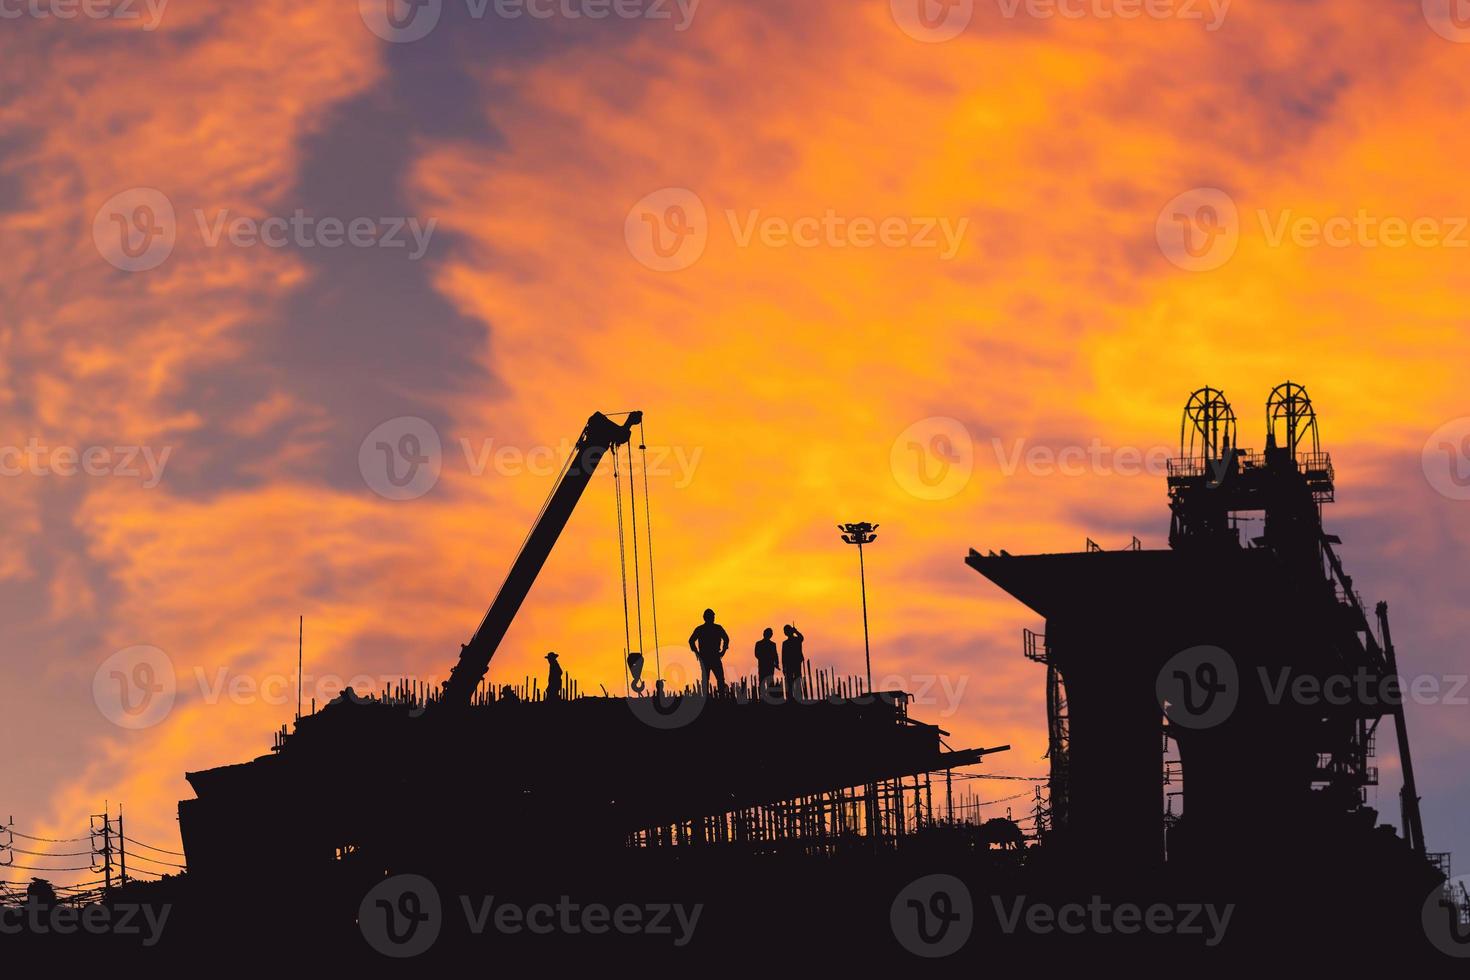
[553,679]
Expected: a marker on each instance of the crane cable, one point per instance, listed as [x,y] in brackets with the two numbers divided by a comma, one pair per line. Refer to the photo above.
[648,530]
[637,584]
[622,559]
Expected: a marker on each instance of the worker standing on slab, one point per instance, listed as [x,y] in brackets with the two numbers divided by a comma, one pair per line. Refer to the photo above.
[553,679]
[709,641]
[766,660]
[791,661]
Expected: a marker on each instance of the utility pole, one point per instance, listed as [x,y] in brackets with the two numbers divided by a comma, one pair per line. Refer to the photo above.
[300,641]
[861,534]
[122,847]
[106,849]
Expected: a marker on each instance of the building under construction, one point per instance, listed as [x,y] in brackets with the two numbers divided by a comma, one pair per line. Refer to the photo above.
[1235,634]
[1179,771]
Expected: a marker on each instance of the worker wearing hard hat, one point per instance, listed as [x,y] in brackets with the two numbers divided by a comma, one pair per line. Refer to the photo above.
[709,641]
[791,661]
[766,661]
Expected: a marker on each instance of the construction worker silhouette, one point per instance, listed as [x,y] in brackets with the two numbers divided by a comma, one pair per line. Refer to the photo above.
[766,660]
[709,641]
[553,679]
[791,660]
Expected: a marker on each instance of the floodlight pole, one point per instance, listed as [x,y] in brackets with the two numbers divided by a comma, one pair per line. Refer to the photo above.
[861,534]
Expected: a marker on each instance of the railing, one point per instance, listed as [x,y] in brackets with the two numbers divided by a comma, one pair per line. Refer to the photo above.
[1035,646]
[1315,466]
[1185,467]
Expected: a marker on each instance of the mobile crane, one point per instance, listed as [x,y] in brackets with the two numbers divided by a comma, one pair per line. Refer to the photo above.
[601,436]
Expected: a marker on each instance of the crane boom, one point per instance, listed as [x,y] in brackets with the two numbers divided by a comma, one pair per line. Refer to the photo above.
[601,435]
[1409,793]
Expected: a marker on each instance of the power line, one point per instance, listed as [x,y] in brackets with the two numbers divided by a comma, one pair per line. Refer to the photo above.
[70,840]
[26,867]
[1004,799]
[148,871]
[161,850]
[48,840]
[166,864]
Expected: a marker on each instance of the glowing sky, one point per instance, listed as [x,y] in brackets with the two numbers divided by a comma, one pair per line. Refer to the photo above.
[817,322]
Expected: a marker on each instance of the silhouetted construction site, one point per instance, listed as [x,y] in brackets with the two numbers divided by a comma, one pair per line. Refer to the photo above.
[1178,772]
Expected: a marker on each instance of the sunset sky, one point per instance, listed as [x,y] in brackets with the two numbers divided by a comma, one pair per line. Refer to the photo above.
[828,247]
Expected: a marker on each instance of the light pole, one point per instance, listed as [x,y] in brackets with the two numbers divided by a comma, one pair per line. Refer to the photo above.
[861,534]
